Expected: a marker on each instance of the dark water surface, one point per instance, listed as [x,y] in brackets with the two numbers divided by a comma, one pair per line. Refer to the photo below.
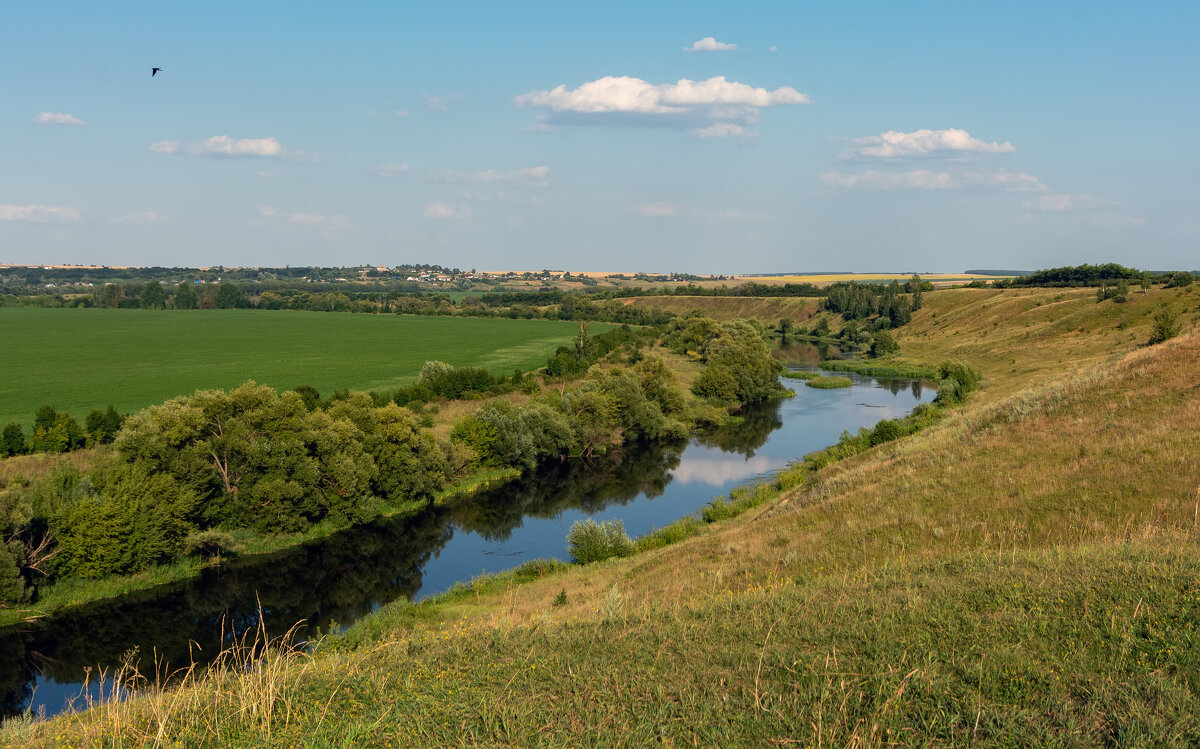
[334,581]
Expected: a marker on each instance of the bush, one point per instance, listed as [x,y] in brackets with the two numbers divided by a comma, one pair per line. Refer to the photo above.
[1166,325]
[589,541]
[210,543]
[884,344]
[1180,280]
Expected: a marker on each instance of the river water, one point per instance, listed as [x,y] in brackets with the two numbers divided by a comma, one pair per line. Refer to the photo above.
[334,581]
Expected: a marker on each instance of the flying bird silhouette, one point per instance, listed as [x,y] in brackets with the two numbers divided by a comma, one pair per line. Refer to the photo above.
[154,71]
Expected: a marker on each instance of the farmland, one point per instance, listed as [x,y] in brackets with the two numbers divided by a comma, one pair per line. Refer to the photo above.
[78,360]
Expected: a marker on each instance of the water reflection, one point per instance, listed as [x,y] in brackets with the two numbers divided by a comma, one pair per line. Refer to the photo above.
[346,576]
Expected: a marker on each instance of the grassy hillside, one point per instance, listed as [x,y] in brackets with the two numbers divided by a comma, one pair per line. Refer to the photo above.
[1023,572]
[79,359]
[768,310]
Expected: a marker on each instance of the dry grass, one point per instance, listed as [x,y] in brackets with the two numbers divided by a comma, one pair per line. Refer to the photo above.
[768,310]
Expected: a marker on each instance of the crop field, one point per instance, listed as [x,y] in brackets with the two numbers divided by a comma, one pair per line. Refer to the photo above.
[77,360]
[823,279]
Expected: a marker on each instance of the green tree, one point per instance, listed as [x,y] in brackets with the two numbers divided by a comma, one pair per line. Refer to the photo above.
[185,296]
[1180,279]
[102,426]
[229,296]
[152,296]
[12,440]
[110,296]
[914,287]
[1165,324]
[884,344]
[785,328]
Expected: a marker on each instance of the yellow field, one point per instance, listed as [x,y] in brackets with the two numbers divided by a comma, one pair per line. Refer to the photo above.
[827,278]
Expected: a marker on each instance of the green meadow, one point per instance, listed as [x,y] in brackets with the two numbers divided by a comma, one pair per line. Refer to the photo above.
[80,359]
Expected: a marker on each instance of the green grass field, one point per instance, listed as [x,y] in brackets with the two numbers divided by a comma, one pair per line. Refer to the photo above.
[77,360]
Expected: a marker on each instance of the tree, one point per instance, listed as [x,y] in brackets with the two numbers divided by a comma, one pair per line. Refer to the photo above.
[152,296]
[914,287]
[1180,279]
[884,344]
[12,441]
[1165,325]
[229,296]
[110,296]
[185,296]
[785,328]
[102,426]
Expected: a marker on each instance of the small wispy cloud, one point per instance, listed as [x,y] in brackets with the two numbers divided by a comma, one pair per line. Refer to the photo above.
[391,170]
[533,176]
[223,145]
[539,127]
[446,212]
[395,113]
[920,143]
[710,44]
[924,179]
[724,130]
[279,220]
[663,209]
[1089,208]
[439,103]
[41,214]
[58,118]
[139,217]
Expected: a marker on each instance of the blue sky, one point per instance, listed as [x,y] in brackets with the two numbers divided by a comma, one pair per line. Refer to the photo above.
[703,137]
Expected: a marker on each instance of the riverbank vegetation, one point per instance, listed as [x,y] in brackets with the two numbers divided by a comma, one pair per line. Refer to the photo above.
[219,472]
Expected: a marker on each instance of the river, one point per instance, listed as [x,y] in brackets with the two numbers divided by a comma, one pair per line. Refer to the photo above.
[334,581]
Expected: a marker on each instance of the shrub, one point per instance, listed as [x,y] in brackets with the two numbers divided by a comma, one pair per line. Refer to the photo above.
[1166,325]
[884,344]
[719,509]
[589,541]
[1180,280]
[211,543]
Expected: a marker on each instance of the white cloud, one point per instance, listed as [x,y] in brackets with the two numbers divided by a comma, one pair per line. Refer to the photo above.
[440,210]
[923,179]
[539,127]
[279,220]
[1062,203]
[58,118]
[438,103]
[664,209]
[139,217]
[37,213]
[222,145]
[897,145]
[656,210]
[391,170]
[724,130]
[533,176]
[1094,210]
[622,100]
[710,44]
[920,179]
[773,48]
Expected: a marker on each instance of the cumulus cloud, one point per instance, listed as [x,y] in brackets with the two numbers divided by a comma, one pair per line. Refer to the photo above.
[664,209]
[391,170]
[532,176]
[40,214]
[897,145]
[139,217]
[623,100]
[58,118]
[710,44]
[222,145]
[279,220]
[923,179]
[445,211]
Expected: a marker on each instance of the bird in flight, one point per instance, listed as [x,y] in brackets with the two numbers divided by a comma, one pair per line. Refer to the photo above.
[154,71]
